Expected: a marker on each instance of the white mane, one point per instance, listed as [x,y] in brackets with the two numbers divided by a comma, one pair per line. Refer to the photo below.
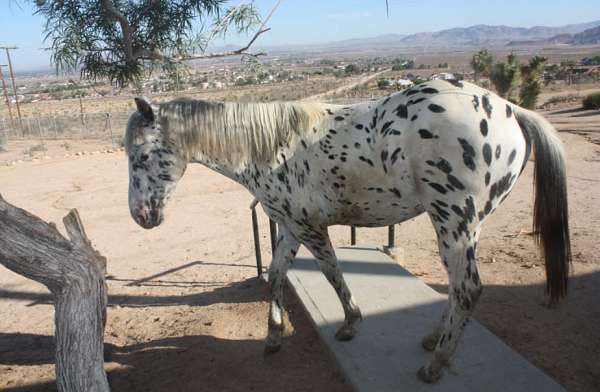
[236,132]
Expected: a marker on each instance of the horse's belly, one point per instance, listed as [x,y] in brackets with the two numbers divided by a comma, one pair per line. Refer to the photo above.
[383,210]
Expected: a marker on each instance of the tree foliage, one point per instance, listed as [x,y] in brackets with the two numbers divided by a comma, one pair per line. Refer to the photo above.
[120,39]
[481,64]
[531,87]
[519,83]
[506,77]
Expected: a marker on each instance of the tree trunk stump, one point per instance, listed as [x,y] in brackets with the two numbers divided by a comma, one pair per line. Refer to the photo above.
[74,273]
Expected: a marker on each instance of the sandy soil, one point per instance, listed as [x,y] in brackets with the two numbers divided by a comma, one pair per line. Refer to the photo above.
[186,312]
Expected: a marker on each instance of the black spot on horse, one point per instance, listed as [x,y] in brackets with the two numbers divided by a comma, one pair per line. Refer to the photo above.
[508,110]
[468,153]
[487,153]
[498,151]
[438,187]
[394,155]
[358,126]
[487,178]
[436,108]
[366,160]
[429,90]
[512,156]
[414,117]
[455,182]
[425,134]
[476,102]
[442,164]
[396,192]
[487,106]
[402,111]
[483,127]
[339,118]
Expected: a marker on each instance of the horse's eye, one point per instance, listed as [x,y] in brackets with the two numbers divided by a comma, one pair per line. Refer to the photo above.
[144,158]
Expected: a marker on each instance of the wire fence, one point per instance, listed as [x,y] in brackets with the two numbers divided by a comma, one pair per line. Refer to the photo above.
[99,126]
[108,127]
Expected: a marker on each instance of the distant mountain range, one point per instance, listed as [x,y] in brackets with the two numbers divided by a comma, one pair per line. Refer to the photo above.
[478,35]
[482,35]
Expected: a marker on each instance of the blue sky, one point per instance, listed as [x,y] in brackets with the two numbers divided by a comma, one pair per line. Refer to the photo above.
[319,21]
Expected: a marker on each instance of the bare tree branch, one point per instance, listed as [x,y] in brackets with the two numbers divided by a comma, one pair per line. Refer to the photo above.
[241,51]
[111,11]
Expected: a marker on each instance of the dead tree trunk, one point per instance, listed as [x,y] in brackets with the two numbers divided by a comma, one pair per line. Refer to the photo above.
[74,272]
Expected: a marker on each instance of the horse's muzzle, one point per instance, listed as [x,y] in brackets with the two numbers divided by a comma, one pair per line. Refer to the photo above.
[148,218]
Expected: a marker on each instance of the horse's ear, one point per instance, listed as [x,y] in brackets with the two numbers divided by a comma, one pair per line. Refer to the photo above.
[144,107]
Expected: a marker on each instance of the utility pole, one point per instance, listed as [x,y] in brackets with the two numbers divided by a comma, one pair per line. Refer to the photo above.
[12,121]
[12,77]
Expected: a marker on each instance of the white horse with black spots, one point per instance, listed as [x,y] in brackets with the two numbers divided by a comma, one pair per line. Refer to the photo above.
[448,149]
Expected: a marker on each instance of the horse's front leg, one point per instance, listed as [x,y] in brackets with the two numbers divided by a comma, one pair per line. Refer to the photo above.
[286,249]
[323,251]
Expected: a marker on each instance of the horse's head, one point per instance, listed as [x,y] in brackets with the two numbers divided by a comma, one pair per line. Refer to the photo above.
[155,166]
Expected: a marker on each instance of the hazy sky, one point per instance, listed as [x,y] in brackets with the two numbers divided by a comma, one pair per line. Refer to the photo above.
[318,21]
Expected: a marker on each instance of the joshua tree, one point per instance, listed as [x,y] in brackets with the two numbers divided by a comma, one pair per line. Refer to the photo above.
[506,77]
[531,87]
[481,64]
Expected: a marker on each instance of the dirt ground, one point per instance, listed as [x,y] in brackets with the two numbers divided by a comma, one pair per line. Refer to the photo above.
[187,313]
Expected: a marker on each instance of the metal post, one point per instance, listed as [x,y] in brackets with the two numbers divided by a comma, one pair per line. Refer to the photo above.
[352,235]
[391,237]
[12,121]
[256,240]
[273,229]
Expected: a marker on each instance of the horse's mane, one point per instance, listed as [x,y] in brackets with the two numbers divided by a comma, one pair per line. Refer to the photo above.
[236,132]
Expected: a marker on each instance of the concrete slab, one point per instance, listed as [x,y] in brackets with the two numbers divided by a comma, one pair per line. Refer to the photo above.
[398,311]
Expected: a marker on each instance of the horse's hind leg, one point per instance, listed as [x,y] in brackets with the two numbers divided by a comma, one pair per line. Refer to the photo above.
[430,340]
[286,249]
[322,249]
[464,290]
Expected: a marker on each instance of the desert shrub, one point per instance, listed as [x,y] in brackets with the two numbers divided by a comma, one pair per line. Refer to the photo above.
[592,102]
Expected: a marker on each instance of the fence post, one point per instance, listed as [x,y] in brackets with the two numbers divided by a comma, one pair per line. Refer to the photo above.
[41,135]
[109,125]
[352,235]
[54,127]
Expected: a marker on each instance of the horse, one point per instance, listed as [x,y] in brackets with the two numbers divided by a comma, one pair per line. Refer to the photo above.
[449,149]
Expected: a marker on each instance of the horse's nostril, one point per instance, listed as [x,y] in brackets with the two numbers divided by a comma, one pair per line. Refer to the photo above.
[141,218]
[154,213]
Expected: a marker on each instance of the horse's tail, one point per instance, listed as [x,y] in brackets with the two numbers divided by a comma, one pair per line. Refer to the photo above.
[551,213]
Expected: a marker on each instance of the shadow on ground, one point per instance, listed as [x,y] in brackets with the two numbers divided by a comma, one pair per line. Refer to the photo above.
[549,338]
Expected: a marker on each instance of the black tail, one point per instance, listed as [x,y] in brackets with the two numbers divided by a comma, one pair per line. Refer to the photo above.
[551,212]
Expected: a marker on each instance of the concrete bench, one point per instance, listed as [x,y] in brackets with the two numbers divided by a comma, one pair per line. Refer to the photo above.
[398,310]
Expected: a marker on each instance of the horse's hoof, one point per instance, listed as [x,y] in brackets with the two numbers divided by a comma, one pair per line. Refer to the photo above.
[345,333]
[429,342]
[271,349]
[428,376]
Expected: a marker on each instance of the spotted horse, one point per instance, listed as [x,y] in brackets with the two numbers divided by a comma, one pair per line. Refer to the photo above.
[448,149]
